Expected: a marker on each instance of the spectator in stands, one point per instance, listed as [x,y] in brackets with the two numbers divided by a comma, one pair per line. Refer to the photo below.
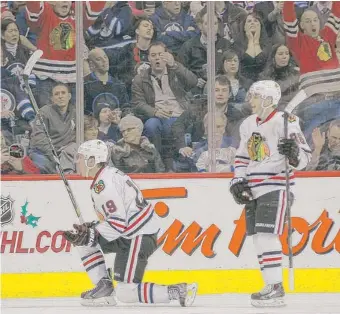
[195,7]
[314,50]
[230,66]
[112,28]
[281,69]
[271,15]
[14,161]
[90,128]
[54,24]
[144,9]
[100,86]
[225,154]
[134,153]
[231,17]
[18,8]
[128,61]
[193,54]
[189,128]
[59,117]
[323,10]
[17,113]
[109,119]
[326,153]
[254,47]
[188,158]
[174,26]
[159,95]
[16,53]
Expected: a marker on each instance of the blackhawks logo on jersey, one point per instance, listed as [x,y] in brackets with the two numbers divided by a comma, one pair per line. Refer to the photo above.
[291,118]
[324,52]
[258,150]
[99,186]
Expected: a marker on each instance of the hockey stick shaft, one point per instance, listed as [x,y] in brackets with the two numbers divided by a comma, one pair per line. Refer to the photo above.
[289,215]
[27,72]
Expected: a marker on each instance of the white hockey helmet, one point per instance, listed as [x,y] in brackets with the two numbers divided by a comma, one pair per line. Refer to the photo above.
[265,89]
[96,149]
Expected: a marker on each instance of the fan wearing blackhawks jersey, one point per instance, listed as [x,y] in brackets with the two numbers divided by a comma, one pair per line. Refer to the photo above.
[127,227]
[259,182]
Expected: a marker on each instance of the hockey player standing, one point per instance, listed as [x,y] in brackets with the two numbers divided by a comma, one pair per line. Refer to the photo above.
[126,227]
[259,182]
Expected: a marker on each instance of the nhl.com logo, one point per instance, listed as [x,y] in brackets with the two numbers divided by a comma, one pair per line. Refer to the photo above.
[7,212]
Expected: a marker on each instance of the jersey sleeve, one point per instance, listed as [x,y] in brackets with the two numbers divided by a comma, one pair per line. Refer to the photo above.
[331,29]
[291,27]
[92,10]
[294,132]
[242,157]
[36,14]
[111,202]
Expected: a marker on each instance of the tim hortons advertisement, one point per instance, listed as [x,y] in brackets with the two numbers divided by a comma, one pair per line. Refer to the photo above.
[201,226]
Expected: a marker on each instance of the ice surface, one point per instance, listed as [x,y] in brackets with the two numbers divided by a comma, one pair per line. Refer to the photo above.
[212,304]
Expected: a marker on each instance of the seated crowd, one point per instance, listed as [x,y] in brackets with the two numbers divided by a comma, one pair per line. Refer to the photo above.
[146,82]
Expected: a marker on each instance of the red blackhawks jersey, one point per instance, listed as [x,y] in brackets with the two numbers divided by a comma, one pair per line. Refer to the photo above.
[319,66]
[120,206]
[56,37]
[258,159]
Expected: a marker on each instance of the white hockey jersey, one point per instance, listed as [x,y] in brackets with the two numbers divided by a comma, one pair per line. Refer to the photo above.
[258,159]
[120,206]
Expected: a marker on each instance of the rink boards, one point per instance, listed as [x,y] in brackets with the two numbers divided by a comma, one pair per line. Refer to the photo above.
[202,236]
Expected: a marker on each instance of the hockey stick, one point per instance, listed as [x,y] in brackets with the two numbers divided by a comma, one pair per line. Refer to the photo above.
[294,103]
[27,71]
[289,215]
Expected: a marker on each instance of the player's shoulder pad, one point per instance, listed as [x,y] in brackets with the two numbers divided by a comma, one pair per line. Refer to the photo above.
[292,118]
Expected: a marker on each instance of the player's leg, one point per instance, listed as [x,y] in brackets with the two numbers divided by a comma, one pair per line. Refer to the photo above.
[129,270]
[269,224]
[103,293]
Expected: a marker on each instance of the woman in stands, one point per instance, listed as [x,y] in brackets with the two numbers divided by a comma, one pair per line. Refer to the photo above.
[282,69]
[16,53]
[231,68]
[254,46]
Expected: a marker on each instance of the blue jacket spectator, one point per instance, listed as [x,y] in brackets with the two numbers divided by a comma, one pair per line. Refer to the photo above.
[174,26]
[112,27]
[100,87]
[19,11]
[15,104]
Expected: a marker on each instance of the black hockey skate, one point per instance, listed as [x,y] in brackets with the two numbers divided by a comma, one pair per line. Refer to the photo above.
[185,293]
[102,294]
[270,296]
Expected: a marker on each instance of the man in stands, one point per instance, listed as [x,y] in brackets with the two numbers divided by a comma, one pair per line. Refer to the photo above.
[100,86]
[326,153]
[128,61]
[174,26]
[159,95]
[54,24]
[193,53]
[314,51]
[59,118]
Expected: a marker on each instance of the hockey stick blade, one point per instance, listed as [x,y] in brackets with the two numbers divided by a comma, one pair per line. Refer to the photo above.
[31,62]
[299,98]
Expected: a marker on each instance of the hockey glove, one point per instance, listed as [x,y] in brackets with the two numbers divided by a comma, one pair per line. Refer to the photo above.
[240,190]
[83,235]
[290,149]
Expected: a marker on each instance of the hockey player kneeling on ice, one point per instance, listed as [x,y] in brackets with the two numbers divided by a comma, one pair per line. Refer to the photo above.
[259,182]
[126,227]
